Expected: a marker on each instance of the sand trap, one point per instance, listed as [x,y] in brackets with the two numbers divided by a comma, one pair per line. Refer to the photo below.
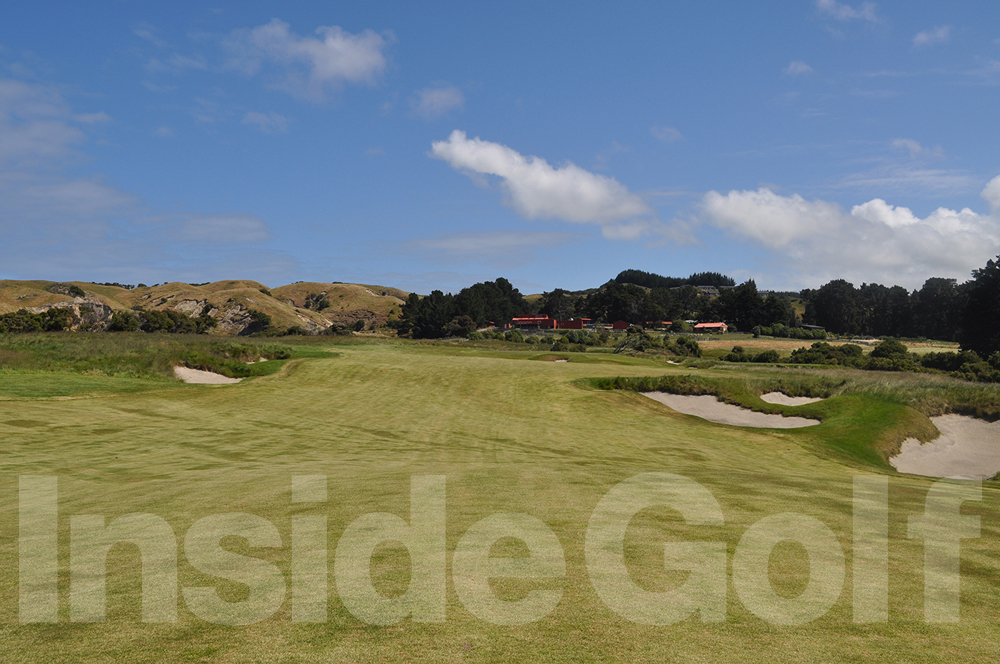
[785,400]
[203,377]
[709,408]
[967,448]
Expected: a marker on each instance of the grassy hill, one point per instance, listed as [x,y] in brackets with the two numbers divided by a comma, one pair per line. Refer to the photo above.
[228,302]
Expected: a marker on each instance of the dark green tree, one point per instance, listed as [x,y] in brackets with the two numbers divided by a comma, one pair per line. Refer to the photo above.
[981,316]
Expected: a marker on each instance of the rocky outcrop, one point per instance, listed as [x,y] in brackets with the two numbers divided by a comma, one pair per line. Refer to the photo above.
[90,313]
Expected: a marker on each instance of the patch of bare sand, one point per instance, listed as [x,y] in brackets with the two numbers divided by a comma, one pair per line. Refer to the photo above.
[710,408]
[967,448]
[203,377]
[783,399]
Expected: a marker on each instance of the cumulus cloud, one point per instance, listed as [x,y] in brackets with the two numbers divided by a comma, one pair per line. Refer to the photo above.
[537,190]
[875,241]
[269,123]
[991,193]
[309,66]
[938,35]
[434,102]
[844,12]
[797,67]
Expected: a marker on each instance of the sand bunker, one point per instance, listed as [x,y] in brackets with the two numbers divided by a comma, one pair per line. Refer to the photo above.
[203,377]
[785,400]
[710,408]
[967,448]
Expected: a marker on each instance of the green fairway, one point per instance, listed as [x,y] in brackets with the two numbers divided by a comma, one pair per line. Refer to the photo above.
[511,431]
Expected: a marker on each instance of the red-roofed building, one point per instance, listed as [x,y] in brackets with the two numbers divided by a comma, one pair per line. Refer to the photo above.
[573,324]
[711,327]
[534,322]
[619,325]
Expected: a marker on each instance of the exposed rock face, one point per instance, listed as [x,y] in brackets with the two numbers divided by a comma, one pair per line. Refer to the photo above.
[191,307]
[233,319]
[89,312]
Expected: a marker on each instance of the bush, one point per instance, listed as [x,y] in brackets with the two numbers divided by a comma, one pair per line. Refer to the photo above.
[560,346]
[316,301]
[738,354]
[766,357]
[890,348]
[823,353]
[514,335]
[475,336]
[683,346]
[950,361]
[460,326]
[123,321]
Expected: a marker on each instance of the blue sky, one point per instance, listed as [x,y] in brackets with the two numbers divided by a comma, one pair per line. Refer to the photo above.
[426,145]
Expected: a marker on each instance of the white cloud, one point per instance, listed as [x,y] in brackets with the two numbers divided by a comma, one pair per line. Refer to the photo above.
[666,134]
[309,65]
[269,123]
[991,193]
[875,241]
[35,125]
[844,12]
[147,32]
[771,219]
[221,229]
[916,149]
[536,190]
[58,225]
[491,245]
[164,132]
[938,35]
[92,118]
[909,179]
[796,67]
[434,102]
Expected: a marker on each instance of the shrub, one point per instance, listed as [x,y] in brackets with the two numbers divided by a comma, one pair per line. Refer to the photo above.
[123,321]
[890,348]
[475,336]
[460,326]
[316,301]
[515,336]
[683,346]
[823,353]
[738,354]
[766,357]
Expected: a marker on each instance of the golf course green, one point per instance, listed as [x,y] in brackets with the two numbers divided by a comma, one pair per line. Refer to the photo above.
[510,431]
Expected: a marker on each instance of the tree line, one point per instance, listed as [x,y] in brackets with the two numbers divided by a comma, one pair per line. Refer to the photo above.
[941,309]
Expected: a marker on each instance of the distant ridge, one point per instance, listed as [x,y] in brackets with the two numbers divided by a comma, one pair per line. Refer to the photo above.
[309,305]
[652,280]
